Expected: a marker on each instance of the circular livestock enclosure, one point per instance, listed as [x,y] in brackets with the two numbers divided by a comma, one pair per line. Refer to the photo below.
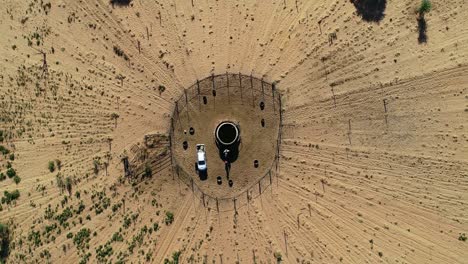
[225,138]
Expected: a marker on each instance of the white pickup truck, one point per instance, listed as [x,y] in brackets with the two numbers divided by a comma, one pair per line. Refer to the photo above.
[201,157]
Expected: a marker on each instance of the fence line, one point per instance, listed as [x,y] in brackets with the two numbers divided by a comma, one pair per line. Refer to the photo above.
[209,87]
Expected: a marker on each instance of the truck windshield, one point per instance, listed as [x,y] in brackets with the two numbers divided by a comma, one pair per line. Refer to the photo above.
[201,162]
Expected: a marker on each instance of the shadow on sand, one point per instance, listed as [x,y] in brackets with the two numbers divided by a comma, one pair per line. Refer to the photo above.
[370,10]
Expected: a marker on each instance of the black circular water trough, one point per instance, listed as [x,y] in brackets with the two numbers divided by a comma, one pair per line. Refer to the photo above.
[185,145]
[191,131]
[227,133]
[256,163]
[262,105]
[263,122]
[231,183]
[214,92]
[219,180]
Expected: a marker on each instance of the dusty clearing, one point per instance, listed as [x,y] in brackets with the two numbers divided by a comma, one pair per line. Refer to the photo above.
[373,164]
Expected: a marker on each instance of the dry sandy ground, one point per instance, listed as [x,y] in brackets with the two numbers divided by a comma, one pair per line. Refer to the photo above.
[357,185]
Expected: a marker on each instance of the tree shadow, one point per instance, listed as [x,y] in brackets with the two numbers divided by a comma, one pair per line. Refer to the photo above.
[120,2]
[370,10]
[422,29]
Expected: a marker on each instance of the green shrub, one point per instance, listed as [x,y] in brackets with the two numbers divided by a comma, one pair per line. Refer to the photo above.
[278,256]
[17,179]
[425,7]
[462,237]
[51,166]
[148,171]
[8,197]
[11,173]
[4,150]
[169,218]
[2,176]
[12,157]
[82,238]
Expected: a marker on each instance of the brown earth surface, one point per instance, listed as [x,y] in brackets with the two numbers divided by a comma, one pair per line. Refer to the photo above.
[374,153]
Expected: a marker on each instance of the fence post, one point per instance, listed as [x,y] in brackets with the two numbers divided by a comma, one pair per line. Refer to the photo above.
[235,206]
[251,88]
[273,95]
[240,85]
[217,205]
[227,80]
[198,90]
[263,91]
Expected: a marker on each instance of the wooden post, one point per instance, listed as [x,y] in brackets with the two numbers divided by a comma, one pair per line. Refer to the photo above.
[227,80]
[263,91]
[334,98]
[251,88]
[240,86]
[198,91]
[273,95]
[349,131]
[285,241]
[235,206]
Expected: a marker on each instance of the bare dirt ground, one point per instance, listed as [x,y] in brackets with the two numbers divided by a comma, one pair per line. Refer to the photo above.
[374,158]
[238,103]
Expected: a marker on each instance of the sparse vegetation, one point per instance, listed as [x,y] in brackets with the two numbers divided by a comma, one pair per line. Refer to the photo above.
[169,218]
[161,89]
[462,237]
[51,166]
[175,258]
[278,257]
[425,7]
[81,239]
[9,197]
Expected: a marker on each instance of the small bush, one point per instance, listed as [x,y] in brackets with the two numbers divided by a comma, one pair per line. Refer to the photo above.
[2,176]
[148,171]
[4,150]
[11,173]
[169,218]
[8,197]
[161,89]
[278,256]
[462,237]
[425,7]
[12,157]
[17,179]
[82,238]
[51,166]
